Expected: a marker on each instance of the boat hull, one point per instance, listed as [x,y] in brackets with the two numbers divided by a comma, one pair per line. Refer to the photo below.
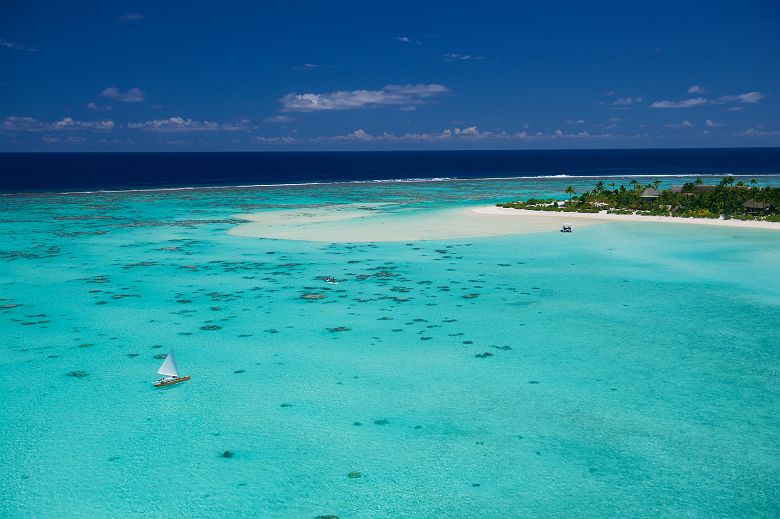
[163,383]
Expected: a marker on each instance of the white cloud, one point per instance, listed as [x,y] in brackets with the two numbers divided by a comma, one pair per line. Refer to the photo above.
[734,109]
[558,134]
[181,125]
[683,124]
[688,103]
[30,124]
[131,17]
[69,124]
[407,39]
[575,121]
[360,135]
[391,95]
[276,140]
[134,95]
[53,139]
[757,132]
[455,57]
[748,97]
[696,89]
[279,119]
[15,46]
[115,141]
[23,124]
[310,66]
[627,101]
[96,107]
[470,132]
[712,124]
[466,134]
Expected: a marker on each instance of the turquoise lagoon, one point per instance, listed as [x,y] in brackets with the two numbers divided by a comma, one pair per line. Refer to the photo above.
[633,369]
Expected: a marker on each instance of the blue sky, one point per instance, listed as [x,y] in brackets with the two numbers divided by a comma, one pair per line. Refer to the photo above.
[183,76]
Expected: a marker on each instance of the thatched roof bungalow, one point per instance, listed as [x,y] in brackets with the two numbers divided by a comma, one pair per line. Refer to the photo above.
[755,206]
[650,194]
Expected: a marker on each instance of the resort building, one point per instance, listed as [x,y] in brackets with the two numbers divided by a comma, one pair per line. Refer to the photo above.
[755,207]
[650,194]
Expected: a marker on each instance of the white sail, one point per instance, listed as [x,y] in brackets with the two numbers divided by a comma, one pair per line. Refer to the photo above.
[168,367]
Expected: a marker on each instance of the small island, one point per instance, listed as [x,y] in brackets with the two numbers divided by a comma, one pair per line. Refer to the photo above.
[729,199]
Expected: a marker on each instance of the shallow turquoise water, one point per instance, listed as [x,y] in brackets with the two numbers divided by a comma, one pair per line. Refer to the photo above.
[641,379]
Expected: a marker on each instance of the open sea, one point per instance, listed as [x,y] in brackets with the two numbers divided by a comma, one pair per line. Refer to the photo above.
[628,369]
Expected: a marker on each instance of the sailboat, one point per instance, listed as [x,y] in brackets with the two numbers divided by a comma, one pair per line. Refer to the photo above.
[170,372]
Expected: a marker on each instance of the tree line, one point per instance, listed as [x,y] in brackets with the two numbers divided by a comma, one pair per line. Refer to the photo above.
[727,198]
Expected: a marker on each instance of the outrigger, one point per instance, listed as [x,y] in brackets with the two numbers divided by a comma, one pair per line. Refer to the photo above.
[170,372]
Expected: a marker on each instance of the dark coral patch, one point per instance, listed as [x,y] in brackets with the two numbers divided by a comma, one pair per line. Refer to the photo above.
[211,327]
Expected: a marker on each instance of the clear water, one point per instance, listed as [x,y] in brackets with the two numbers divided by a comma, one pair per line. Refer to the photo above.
[642,378]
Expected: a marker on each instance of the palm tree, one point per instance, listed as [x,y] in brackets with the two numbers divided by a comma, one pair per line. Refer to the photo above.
[570,191]
[656,183]
[727,181]
[599,186]
[612,185]
[753,182]
[698,181]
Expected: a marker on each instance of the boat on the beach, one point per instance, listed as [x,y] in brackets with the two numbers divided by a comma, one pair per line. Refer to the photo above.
[566,227]
[170,372]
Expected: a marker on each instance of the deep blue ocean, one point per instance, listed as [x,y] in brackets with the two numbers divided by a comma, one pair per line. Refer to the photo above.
[27,172]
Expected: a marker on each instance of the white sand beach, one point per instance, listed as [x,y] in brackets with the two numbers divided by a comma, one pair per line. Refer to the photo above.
[361,223]
[589,217]
[339,223]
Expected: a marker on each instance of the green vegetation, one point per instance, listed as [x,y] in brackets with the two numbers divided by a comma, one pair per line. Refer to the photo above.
[728,199]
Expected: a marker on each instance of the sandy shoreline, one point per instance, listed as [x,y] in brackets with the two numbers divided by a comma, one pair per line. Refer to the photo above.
[565,217]
[362,223]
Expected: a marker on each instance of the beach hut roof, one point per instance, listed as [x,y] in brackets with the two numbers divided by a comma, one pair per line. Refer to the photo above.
[755,204]
[650,192]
